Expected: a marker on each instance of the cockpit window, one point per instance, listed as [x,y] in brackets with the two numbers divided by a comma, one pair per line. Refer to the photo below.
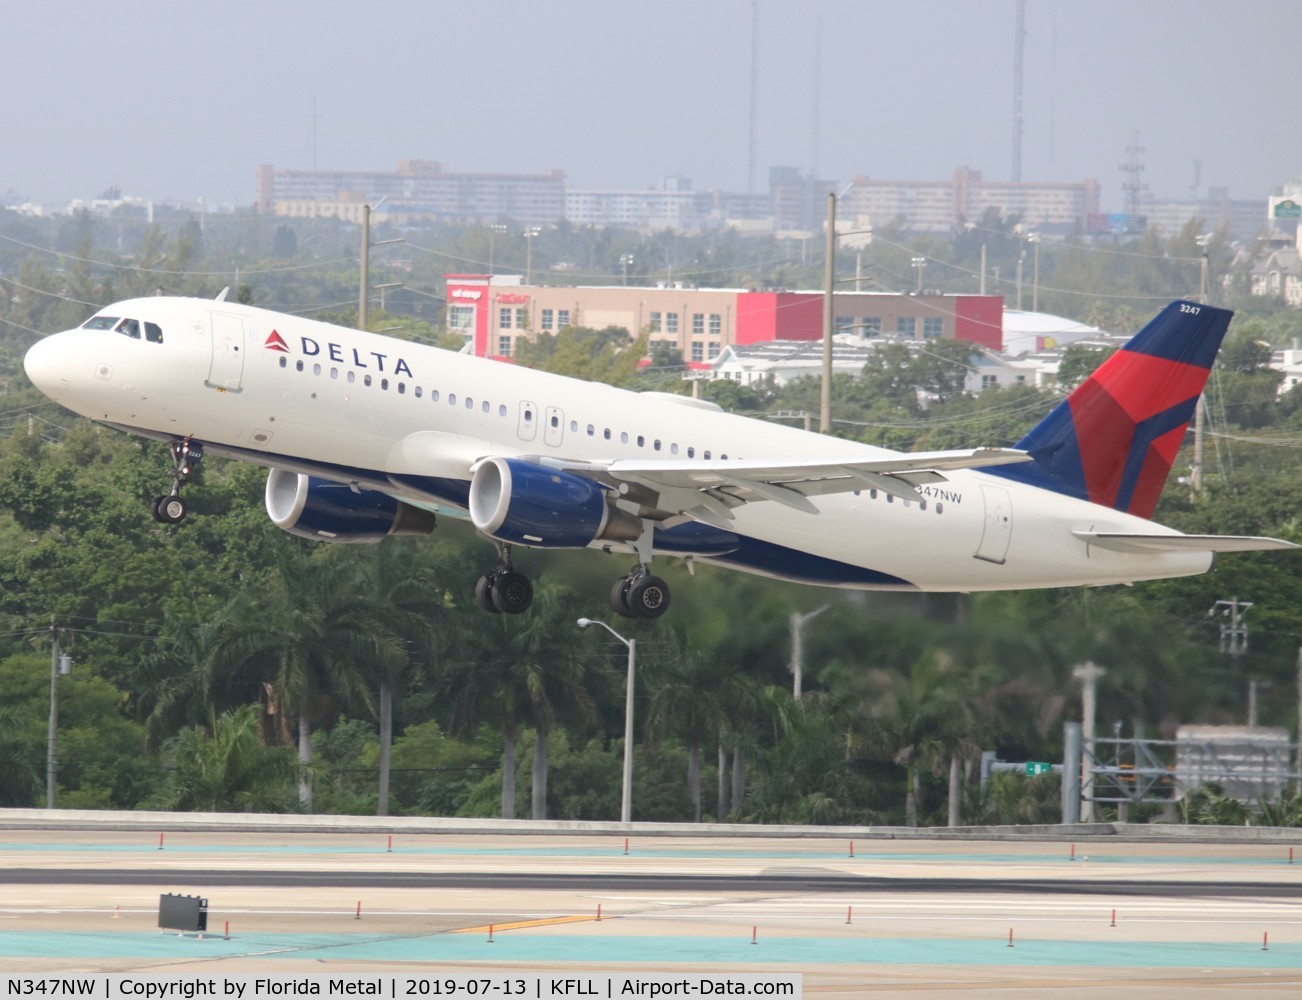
[129,328]
[100,323]
[153,333]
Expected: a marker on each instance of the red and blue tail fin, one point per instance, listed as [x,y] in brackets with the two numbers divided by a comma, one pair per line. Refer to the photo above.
[1114,439]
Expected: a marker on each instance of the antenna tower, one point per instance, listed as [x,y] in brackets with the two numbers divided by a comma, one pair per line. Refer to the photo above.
[1019,42]
[1133,168]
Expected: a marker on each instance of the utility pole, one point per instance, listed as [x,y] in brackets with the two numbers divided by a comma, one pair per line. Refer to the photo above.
[529,234]
[363,293]
[829,283]
[1297,759]
[1035,273]
[1196,473]
[1088,674]
[51,750]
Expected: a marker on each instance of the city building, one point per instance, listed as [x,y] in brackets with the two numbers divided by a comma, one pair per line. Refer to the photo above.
[494,311]
[944,206]
[421,187]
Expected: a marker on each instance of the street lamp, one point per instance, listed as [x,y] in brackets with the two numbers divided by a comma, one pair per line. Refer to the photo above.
[493,230]
[1034,239]
[626,797]
[626,259]
[529,234]
[798,646]
[918,264]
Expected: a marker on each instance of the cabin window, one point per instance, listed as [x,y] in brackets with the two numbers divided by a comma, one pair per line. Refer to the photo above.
[334,373]
[501,409]
[433,395]
[352,376]
[417,392]
[402,388]
[384,383]
[452,399]
[298,366]
[485,406]
[316,369]
[366,380]
[284,363]
[470,403]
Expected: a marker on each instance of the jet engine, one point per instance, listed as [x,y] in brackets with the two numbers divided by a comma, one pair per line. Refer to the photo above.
[526,504]
[328,511]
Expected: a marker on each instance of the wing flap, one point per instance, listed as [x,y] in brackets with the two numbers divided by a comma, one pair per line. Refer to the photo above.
[1132,542]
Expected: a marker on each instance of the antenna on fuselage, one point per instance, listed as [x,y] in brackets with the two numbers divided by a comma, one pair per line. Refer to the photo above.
[221,296]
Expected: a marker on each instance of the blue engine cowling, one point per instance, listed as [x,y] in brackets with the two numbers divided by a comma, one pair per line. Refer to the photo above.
[327,511]
[526,504]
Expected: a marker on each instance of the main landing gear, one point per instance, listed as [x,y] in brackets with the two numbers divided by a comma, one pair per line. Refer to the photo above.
[640,595]
[171,509]
[502,590]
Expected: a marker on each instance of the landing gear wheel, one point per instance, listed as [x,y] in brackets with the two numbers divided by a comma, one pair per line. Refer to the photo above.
[619,597]
[168,510]
[648,597]
[484,594]
[512,592]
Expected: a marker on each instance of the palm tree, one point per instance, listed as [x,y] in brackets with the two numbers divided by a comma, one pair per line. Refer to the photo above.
[312,636]
[410,599]
[687,688]
[174,685]
[923,719]
[226,767]
[551,681]
[20,760]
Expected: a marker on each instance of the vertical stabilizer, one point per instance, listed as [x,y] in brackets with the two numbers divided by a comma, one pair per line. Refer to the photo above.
[1114,439]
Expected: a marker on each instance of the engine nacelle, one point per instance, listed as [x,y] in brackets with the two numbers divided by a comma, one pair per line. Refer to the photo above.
[327,511]
[527,504]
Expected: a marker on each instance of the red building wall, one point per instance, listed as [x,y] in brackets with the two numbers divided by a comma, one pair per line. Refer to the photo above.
[980,319]
[763,316]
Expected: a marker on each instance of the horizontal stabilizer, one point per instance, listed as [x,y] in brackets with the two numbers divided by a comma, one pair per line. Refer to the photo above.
[1122,541]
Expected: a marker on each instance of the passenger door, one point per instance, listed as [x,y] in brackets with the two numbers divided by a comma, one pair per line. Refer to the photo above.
[226,369]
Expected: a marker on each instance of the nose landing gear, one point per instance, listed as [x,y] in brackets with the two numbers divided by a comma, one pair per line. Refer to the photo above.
[171,509]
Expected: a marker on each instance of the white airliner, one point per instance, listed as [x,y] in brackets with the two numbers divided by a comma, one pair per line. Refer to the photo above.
[367,436]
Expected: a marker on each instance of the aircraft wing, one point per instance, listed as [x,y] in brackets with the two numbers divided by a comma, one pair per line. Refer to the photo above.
[1124,541]
[708,490]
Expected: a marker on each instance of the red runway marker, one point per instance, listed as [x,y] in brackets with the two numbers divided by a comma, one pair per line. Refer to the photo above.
[1010,937]
[848,911]
[359,910]
[1114,917]
[625,845]
[852,848]
[1265,937]
[1073,852]
[228,930]
[598,911]
[390,843]
[160,841]
[754,933]
[490,933]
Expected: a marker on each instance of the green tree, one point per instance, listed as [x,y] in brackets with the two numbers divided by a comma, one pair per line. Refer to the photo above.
[226,768]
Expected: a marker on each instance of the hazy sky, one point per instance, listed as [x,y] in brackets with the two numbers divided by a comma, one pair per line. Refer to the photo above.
[179,100]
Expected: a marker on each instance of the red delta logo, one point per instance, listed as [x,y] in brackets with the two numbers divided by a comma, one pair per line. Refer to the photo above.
[275,342]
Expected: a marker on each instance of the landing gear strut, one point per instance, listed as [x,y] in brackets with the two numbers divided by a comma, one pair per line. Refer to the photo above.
[503,590]
[171,509]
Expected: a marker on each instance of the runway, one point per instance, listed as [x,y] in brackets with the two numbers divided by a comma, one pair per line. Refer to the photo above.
[880,917]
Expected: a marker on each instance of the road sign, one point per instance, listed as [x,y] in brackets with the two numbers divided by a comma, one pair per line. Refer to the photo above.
[1034,767]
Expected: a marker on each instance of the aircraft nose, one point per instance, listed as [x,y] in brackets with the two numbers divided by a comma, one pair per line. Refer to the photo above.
[43,365]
